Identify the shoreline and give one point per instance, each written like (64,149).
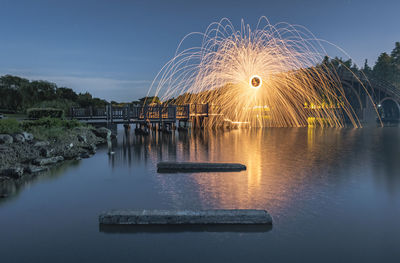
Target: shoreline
(22,155)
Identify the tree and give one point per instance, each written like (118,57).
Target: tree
(46,90)
(383,68)
(14,82)
(367,69)
(84,99)
(66,93)
(395,55)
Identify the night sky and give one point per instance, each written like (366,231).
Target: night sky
(114,49)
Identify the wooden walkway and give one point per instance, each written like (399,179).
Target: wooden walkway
(130,113)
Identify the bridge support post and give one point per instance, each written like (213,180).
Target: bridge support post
(127,128)
(111,113)
(91,112)
(107,114)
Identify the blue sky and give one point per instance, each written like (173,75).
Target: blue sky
(114,49)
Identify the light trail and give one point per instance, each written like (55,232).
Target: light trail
(269,76)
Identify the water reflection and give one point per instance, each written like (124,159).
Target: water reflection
(323,187)
(281,163)
(157,229)
(10,188)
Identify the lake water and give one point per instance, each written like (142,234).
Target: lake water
(334,195)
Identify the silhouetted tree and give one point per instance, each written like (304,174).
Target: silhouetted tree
(383,68)
(395,55)
(367,69)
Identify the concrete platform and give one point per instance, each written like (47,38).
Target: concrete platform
(175,167)
(186,217)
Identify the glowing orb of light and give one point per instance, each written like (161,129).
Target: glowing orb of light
(255,81)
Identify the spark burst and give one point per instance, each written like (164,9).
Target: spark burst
(269,76)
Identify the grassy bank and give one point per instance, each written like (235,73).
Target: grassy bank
(42,129)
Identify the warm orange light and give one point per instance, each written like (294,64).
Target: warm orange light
(255,81)
(221,71)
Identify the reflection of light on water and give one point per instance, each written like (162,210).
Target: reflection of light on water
(236,190)
(310,136)
(281,164)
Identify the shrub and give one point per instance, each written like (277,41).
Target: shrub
(37,113)
(62,104)
(50,128)
(9,126)
(47,133)
(51,122)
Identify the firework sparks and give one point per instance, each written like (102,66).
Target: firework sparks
(269,76)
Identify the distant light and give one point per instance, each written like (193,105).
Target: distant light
(255,81)
(379,105)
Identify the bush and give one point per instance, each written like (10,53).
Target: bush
(62,104)
(48,133)
(37,113)
(50,128)
(51,122)
(9,126)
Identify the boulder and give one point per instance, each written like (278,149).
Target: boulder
(85,155)
(103,133)
(47,161)
(41,143)
(35,169)
(19,137)
(13,172)
(28,136)
(82,138)
(5,149)
(91,148)
(44,152)
(69,146)
(5,138)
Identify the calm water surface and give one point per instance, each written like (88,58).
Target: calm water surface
(334,195)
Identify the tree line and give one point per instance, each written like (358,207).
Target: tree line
(386,68)
(19,94)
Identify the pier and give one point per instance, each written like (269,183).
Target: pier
(163,117)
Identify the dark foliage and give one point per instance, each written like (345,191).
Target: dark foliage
(18,94)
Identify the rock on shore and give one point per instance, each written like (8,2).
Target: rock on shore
(23,154)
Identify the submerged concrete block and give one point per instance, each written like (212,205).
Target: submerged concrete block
(185,217)
(198,167)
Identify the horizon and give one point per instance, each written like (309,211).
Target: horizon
(114,50)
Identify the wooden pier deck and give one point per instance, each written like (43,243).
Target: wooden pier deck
(146,114)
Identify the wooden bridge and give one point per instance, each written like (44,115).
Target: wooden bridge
(140,114)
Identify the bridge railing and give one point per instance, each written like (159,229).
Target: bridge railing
(130,112)
(198,110)
(89,112)
(182,111)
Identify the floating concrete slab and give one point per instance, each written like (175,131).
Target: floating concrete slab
(174,167)
(186,217)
